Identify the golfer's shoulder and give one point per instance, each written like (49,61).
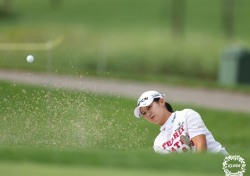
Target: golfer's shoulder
(188,114)
(186,111)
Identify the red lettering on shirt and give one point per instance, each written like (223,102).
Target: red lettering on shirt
(177,144)
(168,143)
(192,143)
(181,130)
(176,135)
(184,149)
(173,150)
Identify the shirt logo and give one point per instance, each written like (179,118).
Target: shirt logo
(180,125)
(172,121)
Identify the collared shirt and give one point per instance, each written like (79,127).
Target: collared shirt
(184,124)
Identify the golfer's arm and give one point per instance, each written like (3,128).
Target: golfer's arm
(200,143)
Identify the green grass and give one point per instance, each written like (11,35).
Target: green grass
(134,162)
(61,119)
(53,118)
(123,39)
(30,169)
(75,129)
(57,132)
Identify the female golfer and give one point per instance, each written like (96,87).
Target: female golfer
(180,131)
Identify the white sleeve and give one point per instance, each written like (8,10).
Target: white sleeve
(195,125)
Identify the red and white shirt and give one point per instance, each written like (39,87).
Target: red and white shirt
(186,123)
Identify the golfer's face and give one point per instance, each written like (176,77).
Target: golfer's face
(153,112)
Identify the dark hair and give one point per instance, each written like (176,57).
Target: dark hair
(168,106)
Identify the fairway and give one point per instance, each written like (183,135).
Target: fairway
(54,130)
(109,162)
(79,129)
(34,169)
(103,39)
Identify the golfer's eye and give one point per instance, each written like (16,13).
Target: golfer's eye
(143,113)
(148,107)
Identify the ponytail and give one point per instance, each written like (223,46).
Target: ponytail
(168,106)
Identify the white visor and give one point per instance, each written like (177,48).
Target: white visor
(146,99)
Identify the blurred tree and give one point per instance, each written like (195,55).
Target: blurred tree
(178,11)
(228,18)
(6,7)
